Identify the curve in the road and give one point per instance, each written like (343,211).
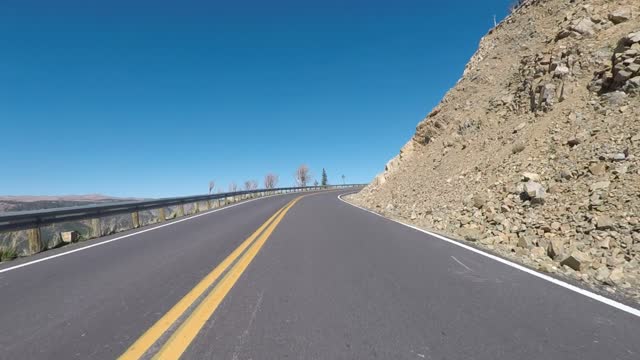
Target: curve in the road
(331,282)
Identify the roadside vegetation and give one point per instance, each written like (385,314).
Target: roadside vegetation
(8,254)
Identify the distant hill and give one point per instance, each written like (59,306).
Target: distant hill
(39,202)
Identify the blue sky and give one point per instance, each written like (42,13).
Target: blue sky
(155,98)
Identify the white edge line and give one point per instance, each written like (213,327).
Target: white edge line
(548,278)
(133,234)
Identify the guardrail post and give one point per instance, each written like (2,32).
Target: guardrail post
(196,207)
(95,227)
(180,210)
(135,219)
(35,241)
(161,215)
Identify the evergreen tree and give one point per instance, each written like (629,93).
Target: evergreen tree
(324,178)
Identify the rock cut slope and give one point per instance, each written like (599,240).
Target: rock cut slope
(535,153)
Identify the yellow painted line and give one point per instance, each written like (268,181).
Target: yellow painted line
(184,335)
(138,348)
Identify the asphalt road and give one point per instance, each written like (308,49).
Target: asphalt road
(319,280)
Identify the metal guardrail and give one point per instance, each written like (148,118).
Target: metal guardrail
(24,220)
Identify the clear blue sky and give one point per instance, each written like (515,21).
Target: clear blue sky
(155,98)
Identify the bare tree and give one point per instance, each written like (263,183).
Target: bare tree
(250,185)
(303,176)
(315,183)
(270,181)
(233,187)
(212,185)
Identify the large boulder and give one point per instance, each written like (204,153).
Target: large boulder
(555,248)
(616,276)
(620,15)
(583,26)
(632,38)
(532,191)
(578,260)
(604,222)
(470,234)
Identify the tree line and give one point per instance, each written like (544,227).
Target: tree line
(302,177)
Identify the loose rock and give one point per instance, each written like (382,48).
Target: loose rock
(470,234)
(577,260)
(620,15)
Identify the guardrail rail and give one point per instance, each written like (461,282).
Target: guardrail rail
(30,224)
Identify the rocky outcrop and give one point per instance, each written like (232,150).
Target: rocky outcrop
(622,73)
(534,154)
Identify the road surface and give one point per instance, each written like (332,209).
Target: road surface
(295,278)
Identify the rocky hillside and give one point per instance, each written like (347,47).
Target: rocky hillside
(535,153)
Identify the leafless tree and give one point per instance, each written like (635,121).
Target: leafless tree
(302,175)
(315,183)
(250,185)
(233,187)
(270,181)
(212,185)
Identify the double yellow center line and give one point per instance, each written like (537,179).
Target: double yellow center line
(230,269)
